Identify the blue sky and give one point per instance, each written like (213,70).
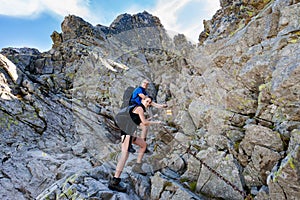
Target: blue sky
(29,23)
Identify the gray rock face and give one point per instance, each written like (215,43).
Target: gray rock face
(209,183)
(284,181)
(128,22)
(233,108)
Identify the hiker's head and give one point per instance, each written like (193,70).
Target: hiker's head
(147,101)
(145,83)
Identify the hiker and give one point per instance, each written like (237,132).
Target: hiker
(137,115)
(138,94)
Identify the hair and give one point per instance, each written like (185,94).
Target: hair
(149,98)
(145,80)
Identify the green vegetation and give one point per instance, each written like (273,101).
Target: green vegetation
(167,184)
(114,155)
(197,147)
(250,13)
(47,198)
(7,121)
(182,180)
(193,186)
(294,41)
(291,163)
(236,145)
(267,1)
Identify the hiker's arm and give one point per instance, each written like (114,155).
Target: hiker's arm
(157,105)
(144,121)
(142,95)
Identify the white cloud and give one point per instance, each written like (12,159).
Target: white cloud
(32,8)
(169,14)
(63,8)
(167,11)
(18,7)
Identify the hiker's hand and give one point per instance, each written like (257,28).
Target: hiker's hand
(162,123)
(164,106)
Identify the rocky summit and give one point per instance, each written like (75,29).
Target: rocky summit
(232,126)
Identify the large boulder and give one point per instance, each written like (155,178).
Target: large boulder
(210,184)
(283,182)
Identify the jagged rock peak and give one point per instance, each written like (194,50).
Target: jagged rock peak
(74,26)
(127,22)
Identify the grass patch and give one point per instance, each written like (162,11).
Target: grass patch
(193,186)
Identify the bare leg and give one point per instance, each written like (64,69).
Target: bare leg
(142,144)
(124,156)
(144,131)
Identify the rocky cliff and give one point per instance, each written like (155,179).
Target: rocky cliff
(234,128)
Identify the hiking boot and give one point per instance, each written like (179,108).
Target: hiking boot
(114,184)
(131,149)
(137,168)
